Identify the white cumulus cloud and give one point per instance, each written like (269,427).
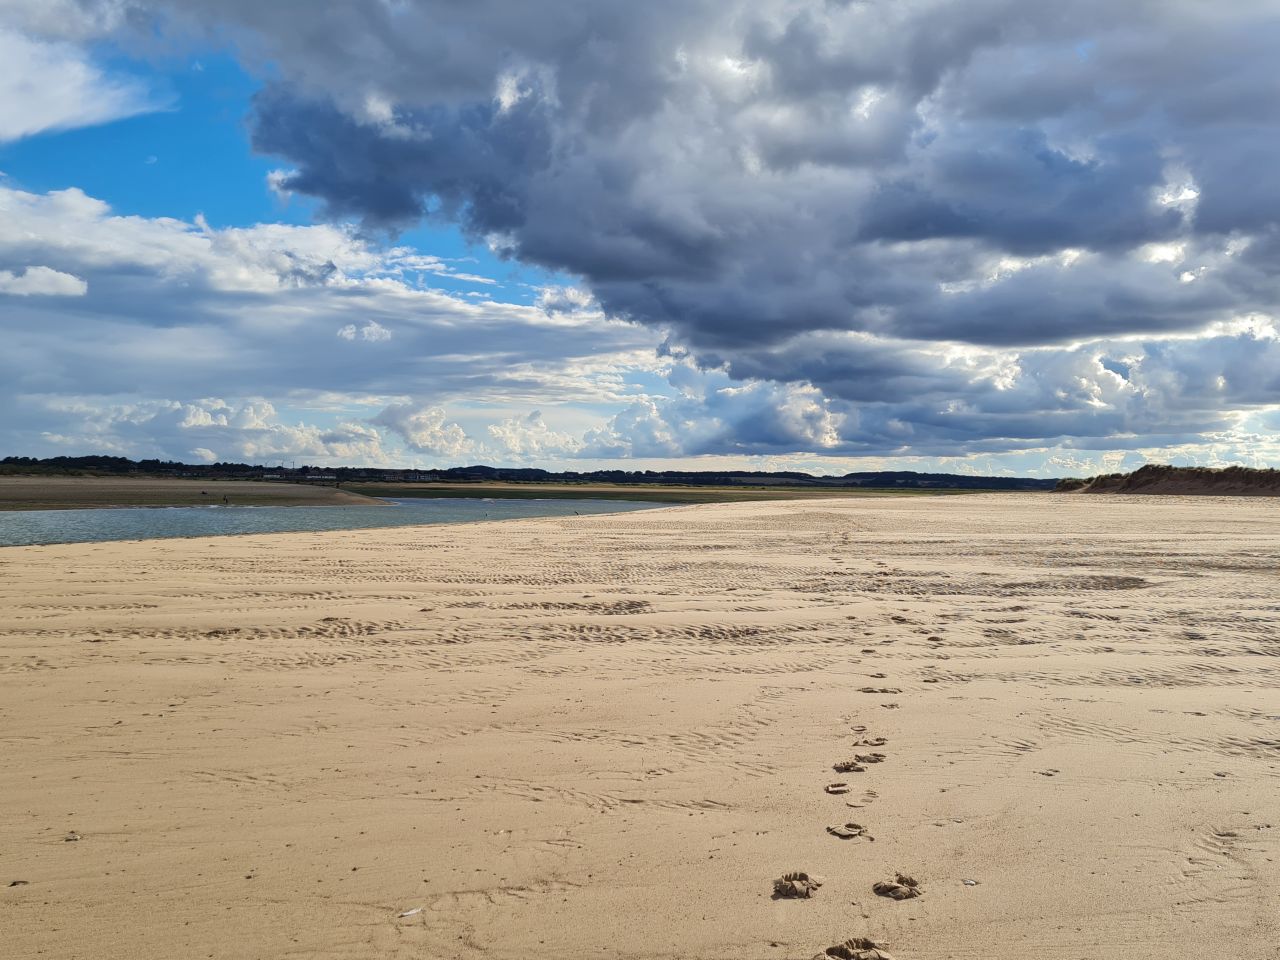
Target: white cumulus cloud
(41,282)
(370,332)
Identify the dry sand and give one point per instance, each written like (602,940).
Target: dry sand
(607,736)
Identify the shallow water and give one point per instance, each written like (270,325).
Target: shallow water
(22,528)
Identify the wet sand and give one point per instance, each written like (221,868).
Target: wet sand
(608,736)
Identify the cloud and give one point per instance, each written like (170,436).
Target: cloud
(41,282)
(208,429)
(742,173)
(425,430)
(170,312)
(180,308)
(371,332)
(530,439)
(882,226)
(74,20)
(53,85)
(992,233)
(720,418)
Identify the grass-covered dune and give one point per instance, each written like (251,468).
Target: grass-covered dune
(1182,481)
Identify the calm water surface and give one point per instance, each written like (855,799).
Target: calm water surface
(20,528)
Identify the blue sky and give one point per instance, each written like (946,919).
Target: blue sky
(148,165)
(769,235)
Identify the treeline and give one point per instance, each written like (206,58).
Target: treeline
(94,465)
(104,465)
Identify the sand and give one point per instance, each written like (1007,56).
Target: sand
(608,736)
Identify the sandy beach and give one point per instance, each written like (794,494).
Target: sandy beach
(607,736)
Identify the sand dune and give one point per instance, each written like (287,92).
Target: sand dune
(1165,480)
(612,736)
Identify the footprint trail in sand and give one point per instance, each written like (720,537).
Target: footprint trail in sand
(608,736)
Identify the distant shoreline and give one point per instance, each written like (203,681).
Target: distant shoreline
(653,493)
(20,493)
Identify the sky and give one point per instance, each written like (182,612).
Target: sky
(974,236)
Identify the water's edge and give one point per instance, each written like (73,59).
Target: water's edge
(111,524)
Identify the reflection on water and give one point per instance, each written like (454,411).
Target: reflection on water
(146,523)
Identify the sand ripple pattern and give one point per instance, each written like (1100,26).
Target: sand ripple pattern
(607,736)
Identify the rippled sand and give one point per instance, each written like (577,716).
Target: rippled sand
(608,736)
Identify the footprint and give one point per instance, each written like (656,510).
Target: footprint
(848,766)
(856,948)
(849,831)
(870,757)
(867,797)
(901,887)
(871,742)
(879,690)
(796,884)
(837,788)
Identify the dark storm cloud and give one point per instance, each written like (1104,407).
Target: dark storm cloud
(744,172)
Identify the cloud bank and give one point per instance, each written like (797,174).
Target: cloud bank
(836,228)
